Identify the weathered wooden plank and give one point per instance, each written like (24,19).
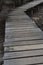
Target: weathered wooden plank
(19,48)
(24,39)
(24,61)
(22,54)
(22,43)
(21,35)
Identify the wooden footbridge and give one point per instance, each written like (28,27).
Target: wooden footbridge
(23,39)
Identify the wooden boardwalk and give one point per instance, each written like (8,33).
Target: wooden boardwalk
(23,39)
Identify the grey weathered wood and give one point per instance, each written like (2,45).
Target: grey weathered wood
(22,34)
(24,61)
(19,48)
(22,54)
(22,43)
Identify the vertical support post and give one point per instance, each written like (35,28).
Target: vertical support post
(32,13)
(2,35)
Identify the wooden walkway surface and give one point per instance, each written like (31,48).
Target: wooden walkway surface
(23,39)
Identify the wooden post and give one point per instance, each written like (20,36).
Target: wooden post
(2,33)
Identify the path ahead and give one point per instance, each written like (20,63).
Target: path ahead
(23,39)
